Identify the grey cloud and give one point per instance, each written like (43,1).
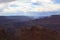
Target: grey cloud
(4,1)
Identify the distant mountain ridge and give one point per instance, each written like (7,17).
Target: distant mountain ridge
(51,22)
(8,21)
(21,18)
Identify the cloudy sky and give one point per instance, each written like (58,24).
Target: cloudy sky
(29,7)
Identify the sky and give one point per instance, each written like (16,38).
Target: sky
(29,7)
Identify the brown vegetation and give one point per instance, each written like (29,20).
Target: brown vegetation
(37,33)
(30,33)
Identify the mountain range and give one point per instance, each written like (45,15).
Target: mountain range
(51,22)
(29,28)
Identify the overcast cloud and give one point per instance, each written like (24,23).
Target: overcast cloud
(4,1)
(26,6)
